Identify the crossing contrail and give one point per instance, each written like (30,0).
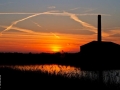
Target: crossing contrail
(50,32)
(20,29)
(55,35)
(16,13)
(37,24)
(14,23)
(86,25)
(71,15)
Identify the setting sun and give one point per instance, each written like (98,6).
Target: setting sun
(52,29)
(56,48)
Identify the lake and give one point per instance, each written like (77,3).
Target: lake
(111,76)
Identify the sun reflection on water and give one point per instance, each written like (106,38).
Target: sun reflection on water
(54,69)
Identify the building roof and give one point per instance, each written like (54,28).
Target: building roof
(103,43)
(102,47)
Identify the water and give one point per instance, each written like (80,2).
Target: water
(54,69)
(112,76)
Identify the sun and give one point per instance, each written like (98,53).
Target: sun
(56,48)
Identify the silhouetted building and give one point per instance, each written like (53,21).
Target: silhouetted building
(99,28)
(100,52)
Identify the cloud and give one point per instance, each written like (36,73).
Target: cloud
(90,9)
(114,32)
(20,29)
(77,31)
(74,17)
(62,14)
(55,35)
(75,8)
(14,23)
(84,24)
(30,31)
(18,13)
(85,32)
(71,15)
(86,10)
(50,32)
(51,7)
(115,35)
(37,24)
(92,14)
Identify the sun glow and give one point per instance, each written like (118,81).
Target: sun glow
(56,48)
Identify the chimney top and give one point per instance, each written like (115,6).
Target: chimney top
(99,28)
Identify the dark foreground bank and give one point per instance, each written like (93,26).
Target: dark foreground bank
(84,61)
(15,79)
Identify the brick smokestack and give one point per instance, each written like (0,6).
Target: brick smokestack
(99,28)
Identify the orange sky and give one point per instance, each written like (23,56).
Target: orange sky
(43,42)
(56,25)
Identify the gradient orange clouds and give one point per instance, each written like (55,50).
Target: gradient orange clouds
(41,42)
(50,35)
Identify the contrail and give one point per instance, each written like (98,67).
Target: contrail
(90,9)
(28,31)
(74,17)
(51,7)
(20,29)
(33,32)
(71,15)
(37,24)
(92,14)
(28,13)
(114,31)
(75,8)
(86,25)
(91,28)
(55,35)
(14,23)
(18,13)
(50,32)
(84,14)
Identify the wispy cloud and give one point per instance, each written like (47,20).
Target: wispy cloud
(85,10)
(75,8)
(84,24)
(58,13)
(114,32)
(18,13)
(51,7)
(37,24)
(14,23)
(55,35)
(45,29)
(71,15)
(90,9)
(30,31)
(92,14)
(115,35)
(20,29)
(74,17)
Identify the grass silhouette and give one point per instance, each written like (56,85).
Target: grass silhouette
(16,79)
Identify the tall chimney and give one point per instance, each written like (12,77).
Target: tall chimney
(99,28)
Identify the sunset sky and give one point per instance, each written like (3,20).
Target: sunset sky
(56,25)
